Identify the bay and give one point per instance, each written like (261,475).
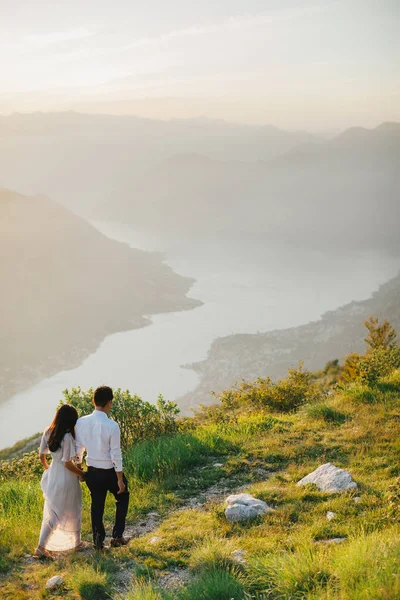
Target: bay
(245,287)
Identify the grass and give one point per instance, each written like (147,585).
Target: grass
(285,552)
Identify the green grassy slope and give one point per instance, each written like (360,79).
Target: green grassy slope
(188,548)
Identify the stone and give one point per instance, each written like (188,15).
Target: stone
(154,540)
(329,478)
(243,507)
(330,515)
(218,465)
(54,582)
(357,499)
(238,556)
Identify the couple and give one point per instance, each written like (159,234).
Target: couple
(66,439)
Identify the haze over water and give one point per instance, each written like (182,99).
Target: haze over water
(245,288)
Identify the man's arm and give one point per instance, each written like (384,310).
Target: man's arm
(116,456)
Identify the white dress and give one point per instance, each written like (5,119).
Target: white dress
(61,526)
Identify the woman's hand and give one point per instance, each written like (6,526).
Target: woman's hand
(44,462)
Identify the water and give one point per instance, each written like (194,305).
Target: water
(245,288)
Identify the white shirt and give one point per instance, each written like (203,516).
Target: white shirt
(100,436)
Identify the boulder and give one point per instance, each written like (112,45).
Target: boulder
(54,582)
(329,478)
(243,507)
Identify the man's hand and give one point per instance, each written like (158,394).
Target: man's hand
(121,484)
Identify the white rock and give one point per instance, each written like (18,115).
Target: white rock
(243,507)
(218,465)
(246,499)
(357,499)
(329,478)
(54,582)
(238,556)
(330,515)
(154,540)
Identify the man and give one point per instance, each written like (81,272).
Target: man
(100,436)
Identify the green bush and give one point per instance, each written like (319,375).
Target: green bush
(378,363)
(27,467)
(358,392)
(137,419)
(285,395)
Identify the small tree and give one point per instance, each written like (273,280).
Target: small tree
(380,335)
(351,368)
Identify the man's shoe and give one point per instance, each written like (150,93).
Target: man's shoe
(98,544)
(119,541)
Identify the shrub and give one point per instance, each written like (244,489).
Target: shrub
(380,335)
(351,368)
(286,395)
(27,467)
(379,363)
(137,419)
(358,392)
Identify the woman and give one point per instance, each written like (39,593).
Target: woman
(61,525)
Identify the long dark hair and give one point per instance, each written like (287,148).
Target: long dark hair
(63,422)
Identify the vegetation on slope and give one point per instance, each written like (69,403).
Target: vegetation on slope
(265,444)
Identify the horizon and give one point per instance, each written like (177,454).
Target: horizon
(326,132)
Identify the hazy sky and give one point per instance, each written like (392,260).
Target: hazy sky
(315,64)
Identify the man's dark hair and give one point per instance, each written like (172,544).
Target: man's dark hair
(102,395)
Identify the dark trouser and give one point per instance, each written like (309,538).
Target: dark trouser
(99,482)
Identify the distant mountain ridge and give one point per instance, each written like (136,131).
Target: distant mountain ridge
(248,356)
(65,286)
(87,162)
(344,191)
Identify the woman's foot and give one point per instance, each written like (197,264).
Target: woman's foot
(42,553)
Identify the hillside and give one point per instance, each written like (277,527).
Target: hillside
(88,161)
(336,334)
(66,286)
(311,544)
(344,191)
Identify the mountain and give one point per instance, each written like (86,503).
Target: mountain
(336,334)
(66,286)
(86,161)
(341,193)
